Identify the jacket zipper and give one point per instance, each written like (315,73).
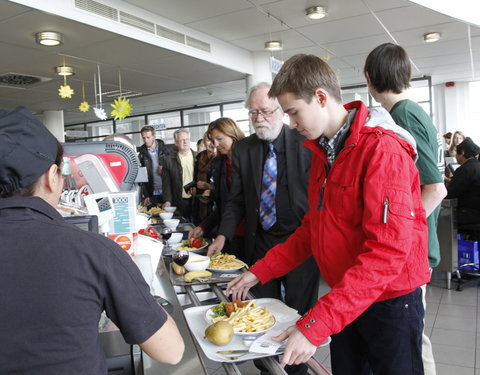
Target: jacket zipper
(385,211)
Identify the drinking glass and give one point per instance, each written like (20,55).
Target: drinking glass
(180,257)
(166,234)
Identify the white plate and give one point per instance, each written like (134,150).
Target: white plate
(209,320)
(192,249)
(223,270)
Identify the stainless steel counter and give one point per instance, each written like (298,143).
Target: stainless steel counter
(115,347)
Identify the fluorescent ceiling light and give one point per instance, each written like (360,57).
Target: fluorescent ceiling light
(316,13)
(274,45)
(464,10)
(64,70)
(49,38)
(431,37)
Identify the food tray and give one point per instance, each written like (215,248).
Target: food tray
(217,278)
(195,316)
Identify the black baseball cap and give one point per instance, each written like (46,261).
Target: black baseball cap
(27,149)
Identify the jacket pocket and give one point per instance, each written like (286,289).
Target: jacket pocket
(398,214)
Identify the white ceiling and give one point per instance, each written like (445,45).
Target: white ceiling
(169,79)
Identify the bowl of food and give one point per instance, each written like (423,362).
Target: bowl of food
(171,223)
(175,238)
(166,215)
(170,209)
(197,263)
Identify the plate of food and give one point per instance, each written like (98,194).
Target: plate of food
(225,263)
(194,244)
(247,317)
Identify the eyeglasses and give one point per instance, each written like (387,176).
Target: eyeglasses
(264,113)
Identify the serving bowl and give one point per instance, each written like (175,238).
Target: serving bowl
(176,237)
(166,215)
(170,209)
(171,223)
(197,263)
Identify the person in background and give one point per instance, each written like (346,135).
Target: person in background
(178,172)
(152,155)
(202,205)
(366,228)
(458,137)
(201,145)
(447,139)
(465,183)
(251,196)
(388,73)
(223,133)
(58,279)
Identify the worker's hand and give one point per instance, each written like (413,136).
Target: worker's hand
(203,185)
(146,202)
(196,232)
(240,286)
(298,350)
(166,204)
(217,245)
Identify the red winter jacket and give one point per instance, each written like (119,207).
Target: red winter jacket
(362,258)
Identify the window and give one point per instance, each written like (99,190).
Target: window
(200,116)
(99,129)
(166,120)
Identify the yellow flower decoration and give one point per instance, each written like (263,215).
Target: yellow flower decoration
(121,108)
(65,92)
(84,106)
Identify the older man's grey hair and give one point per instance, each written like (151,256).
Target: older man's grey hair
(255,88)
(180,131)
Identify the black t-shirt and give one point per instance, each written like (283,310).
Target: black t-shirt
(56,280)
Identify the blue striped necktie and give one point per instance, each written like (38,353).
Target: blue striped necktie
(268,213)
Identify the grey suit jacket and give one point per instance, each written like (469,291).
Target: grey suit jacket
(244,197)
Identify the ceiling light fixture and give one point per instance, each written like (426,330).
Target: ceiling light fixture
(431,37)
(274,45)
(316,13)
(64,70)
(49,38)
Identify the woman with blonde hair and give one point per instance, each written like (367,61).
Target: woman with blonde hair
(223,133)
(457,138)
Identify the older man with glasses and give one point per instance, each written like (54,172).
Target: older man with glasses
(270,178)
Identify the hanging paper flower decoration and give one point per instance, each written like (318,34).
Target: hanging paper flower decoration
(65,91)
(100,113)
(84,107)
(121,108)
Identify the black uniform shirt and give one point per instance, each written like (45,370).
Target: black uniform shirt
(56,281)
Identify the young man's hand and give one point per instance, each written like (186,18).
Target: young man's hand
(240,286)
(298,350)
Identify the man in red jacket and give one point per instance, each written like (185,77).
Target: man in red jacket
(366,229)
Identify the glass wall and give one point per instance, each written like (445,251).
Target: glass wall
(197,118)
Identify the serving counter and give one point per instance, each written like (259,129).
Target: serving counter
(178,297)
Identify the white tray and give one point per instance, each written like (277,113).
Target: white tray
(195,316)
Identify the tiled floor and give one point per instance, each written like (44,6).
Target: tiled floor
(452,319)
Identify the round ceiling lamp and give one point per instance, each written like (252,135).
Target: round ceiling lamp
(64,70)
(49,38)
(274,45)
(431,37)
(316,12)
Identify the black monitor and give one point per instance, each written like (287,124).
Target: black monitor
(86,222)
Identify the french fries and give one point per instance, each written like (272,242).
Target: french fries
(250,318)
(226,262)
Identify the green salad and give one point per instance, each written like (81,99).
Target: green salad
(218,310)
